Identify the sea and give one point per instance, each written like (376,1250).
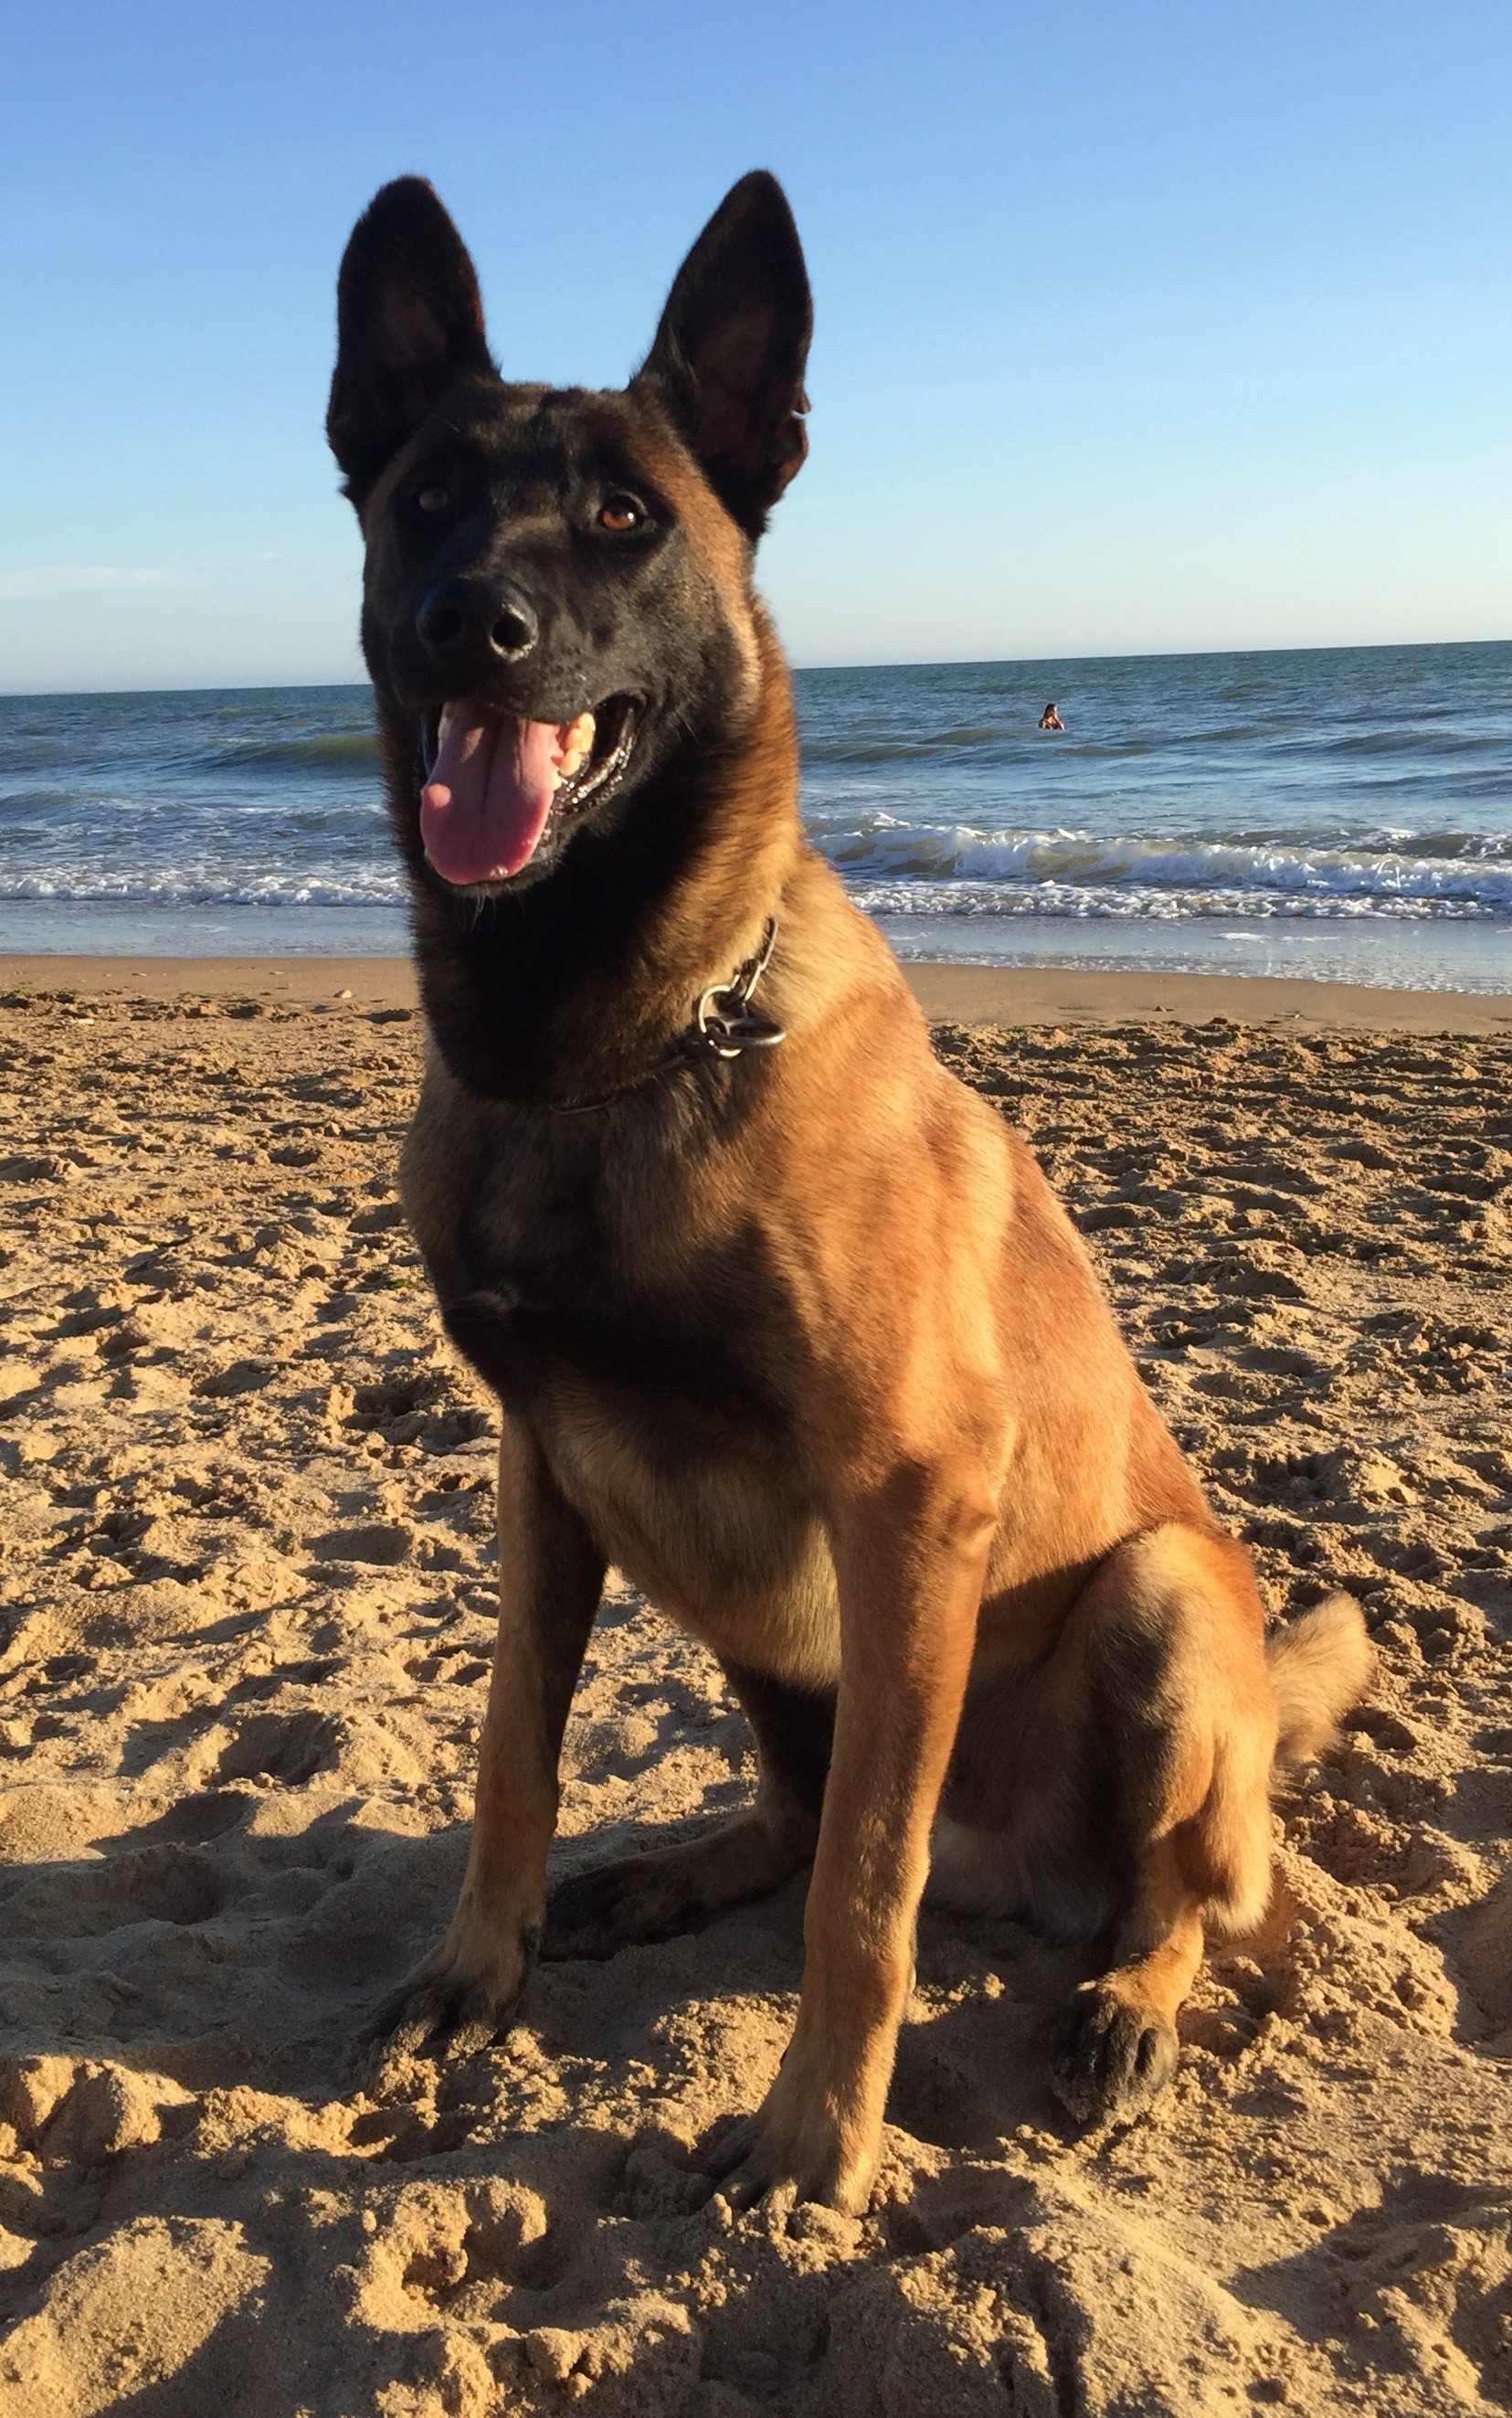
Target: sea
(1339,813)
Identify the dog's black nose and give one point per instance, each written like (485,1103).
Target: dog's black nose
(460,616)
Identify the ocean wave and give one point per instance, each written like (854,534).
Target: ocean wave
(1068,900)
(1276,741)
(1000,742)
(941,853)
(865,747)
(374,885)
(900,895)
(190,767)
(1411,741)
(336,751)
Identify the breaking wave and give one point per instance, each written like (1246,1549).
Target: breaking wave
(895,868)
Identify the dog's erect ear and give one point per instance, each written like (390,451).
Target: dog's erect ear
(409,322)
(729,354)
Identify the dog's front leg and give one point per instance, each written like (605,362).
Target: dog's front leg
(551,1576)
(910,1562)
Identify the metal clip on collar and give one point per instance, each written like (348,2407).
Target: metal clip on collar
(721,1031)
(717,1031)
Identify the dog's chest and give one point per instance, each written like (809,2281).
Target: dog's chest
(642,1361)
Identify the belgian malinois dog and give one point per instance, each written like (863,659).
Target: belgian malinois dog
(786,1323)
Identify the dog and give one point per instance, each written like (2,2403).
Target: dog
(784,1322)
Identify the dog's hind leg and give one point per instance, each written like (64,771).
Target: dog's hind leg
(671,1889)
(551,1576)
(1181,1730)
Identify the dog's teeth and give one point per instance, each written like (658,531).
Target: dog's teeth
(577,745)
(447,717)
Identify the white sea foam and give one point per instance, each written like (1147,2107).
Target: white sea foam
(938,870)
(97,885)
(954,868)
(1079,903)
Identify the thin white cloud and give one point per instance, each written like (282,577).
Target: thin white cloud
(77,579)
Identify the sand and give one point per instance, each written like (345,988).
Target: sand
(968,994)
(244,1631)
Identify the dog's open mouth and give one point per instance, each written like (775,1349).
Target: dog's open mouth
(497,785)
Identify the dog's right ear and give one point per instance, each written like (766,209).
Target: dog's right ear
(731,349)
(409,323)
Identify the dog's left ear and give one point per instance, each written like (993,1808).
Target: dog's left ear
(730,352)
(409,323)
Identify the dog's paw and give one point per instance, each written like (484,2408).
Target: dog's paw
(757,2162)
(596,1913)
(454,2003)
(1112,2056)
(799,2147)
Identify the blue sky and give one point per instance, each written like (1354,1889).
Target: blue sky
(1139,327)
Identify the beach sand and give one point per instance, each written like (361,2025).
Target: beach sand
(245,1622)
(968,994)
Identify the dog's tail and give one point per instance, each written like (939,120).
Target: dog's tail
(1320,1666)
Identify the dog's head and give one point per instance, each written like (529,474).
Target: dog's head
(557,589)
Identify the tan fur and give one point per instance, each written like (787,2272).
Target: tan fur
(808,1348)
(979,1511)
(1320,1666)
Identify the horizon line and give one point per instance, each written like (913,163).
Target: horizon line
(875,662)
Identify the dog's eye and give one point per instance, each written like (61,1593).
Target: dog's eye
(620,513)
(433,499)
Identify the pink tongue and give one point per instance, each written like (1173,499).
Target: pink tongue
(484,807)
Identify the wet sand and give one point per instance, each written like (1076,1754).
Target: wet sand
(1005,995)
(245,1619)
